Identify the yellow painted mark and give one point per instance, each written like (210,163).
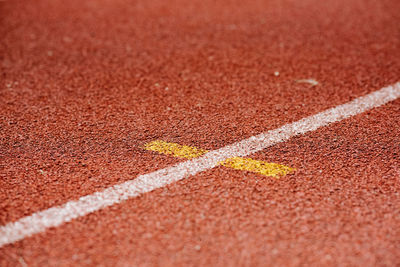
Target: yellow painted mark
(175,150)
(238,163)
(257,166)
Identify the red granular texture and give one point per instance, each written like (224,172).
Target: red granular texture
(85,84)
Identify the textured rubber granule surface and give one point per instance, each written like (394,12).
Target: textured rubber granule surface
(86,84)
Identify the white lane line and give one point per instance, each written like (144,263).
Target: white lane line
(38,222)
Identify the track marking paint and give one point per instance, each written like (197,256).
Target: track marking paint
(238,163)
(257,166)
(175,149)
(40,221)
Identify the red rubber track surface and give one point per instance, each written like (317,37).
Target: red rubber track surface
(85,84)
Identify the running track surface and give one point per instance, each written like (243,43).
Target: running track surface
(85,85)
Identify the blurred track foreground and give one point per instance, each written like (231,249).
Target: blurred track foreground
(200,133)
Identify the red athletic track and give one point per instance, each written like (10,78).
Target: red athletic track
(85,84)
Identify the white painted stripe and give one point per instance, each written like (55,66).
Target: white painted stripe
(52,217)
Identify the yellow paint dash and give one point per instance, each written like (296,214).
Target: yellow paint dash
(257,166)
(238,163)
(175,150)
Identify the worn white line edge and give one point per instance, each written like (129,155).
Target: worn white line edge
(38,222)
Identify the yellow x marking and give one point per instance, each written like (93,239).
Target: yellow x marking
(238,163)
